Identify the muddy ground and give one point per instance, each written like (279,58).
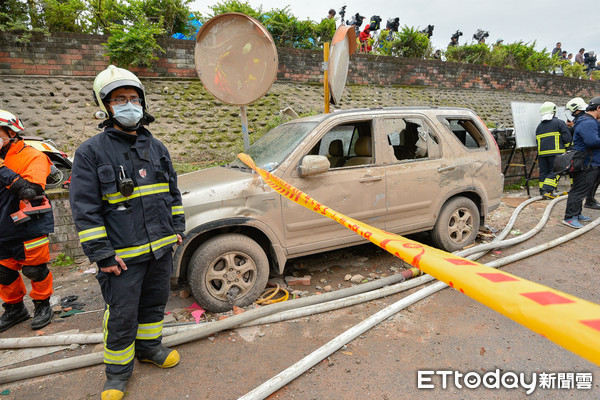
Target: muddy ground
(447,331)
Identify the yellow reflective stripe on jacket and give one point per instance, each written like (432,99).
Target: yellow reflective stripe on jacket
(90,234)
(120,357)
(139,191)
(176,210)
(556,149)
(149,331)
(32,244)
(135,251)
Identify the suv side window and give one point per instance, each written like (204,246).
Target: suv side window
(338,145)
(466,132)
(411,139)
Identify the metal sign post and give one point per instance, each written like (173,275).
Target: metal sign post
(325,75)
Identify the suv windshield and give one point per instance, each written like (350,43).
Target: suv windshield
(271,149)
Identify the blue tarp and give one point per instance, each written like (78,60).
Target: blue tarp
(195,24)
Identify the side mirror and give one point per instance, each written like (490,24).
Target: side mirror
(313,165)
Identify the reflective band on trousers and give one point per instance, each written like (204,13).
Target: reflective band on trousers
(36,243)
(149,331)
(176,210)
(135,251)
(90,234)
(139,191)
(120,357)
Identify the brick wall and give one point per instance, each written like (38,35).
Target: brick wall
(65,238)
(83,55)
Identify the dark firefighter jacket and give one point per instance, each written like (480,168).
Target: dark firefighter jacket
(553,136)
(34,166)
(136,228)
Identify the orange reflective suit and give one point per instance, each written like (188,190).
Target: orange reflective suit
(24,246)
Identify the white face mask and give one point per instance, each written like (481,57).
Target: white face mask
(128,115)
(4,142)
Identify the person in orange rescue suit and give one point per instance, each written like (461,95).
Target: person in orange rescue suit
(128,213)
(553,137)
(24,245)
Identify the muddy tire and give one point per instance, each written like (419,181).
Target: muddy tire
(457,225)
(228,267)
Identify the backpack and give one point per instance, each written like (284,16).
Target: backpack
(571,161)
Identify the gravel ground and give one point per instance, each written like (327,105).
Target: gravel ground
(446,331)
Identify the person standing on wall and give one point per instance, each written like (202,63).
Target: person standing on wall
(553,137)
(24,243)
(128,213)
(586,139)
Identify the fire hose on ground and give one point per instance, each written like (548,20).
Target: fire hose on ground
(11,343)
(248,318)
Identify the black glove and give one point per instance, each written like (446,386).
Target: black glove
(25,190)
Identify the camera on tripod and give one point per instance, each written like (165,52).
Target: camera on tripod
(393,24)
(454,38)
(375,23)
(456,35)
(356,20)
(428,31)
(480,35)
(342,13)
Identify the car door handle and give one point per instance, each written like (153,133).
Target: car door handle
(446,169)
(370,178)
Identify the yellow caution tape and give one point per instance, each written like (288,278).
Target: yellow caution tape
(566,320)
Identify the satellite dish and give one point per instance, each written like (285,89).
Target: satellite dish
(343,45)
(235,58)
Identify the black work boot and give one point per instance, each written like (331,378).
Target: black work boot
(114,387)
(14,314)
(162,356)
(42,314)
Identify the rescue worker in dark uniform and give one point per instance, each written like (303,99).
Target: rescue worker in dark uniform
(586,139)
(24,243)
(553,137)
(128,212)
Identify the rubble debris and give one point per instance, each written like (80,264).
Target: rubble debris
(298,281)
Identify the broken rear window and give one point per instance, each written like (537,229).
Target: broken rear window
(466,132)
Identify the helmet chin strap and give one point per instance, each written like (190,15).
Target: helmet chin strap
(126,128)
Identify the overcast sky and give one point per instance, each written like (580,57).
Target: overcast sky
(545,22)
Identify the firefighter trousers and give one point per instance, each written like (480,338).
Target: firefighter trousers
(548,180)
(29,257)
(133,317)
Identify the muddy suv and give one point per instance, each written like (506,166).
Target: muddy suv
(403,170)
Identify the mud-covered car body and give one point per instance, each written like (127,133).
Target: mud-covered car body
(404,170)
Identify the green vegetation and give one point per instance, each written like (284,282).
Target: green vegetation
(516,55)
(63,260)
(408,42)
(134,26)
(533,183)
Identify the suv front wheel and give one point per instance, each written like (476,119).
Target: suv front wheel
(228,270)
(457,225)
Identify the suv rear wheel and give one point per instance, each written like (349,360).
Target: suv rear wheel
(228,270)
(457,225)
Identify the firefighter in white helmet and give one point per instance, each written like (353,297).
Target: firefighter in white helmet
(128,213)
(553,137)
(574,109)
